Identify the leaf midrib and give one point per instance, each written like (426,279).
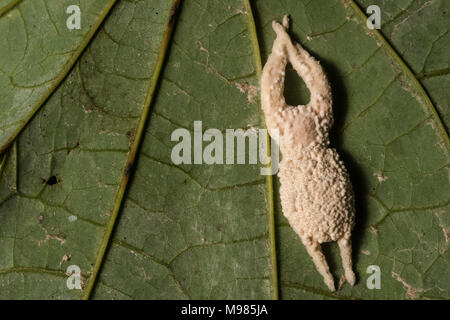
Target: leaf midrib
(269,178)
(9,7)
(134,147)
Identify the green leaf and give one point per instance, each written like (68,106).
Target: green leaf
(199,231)
(63,182)
(396,151)
(426,23)
(37,50)
(90,181)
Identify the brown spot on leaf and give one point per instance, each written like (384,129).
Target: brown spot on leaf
(373,230)
(410,290)
(380,177)
(65,258)
(447,235)
(252,91)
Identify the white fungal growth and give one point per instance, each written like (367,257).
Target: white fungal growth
(316,193)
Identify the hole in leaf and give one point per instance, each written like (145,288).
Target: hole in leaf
(295,90)
(52,180)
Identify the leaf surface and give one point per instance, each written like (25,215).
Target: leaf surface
(62,182)
(198,231)
(406,24)
(206,231)
(37,51)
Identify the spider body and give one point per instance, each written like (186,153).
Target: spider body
(316,193)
